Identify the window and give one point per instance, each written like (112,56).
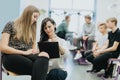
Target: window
(77,9)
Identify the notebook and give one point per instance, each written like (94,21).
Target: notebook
(52,48)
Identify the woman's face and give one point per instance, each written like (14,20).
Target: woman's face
(34,17)
(49,29)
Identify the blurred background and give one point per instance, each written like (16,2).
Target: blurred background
(99,10)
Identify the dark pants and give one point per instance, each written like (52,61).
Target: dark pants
(33,65)
(85,44)
(69,37)
(101,62)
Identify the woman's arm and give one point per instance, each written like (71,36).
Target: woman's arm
(63,47)
(62,50)
(34,47)
(9,50)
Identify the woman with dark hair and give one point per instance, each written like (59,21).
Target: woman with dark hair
(56,65)
(48,34)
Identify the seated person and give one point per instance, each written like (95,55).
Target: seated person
(100,39)
(48,28)
(17,45)
(88,34)
(100,57)
(62,29)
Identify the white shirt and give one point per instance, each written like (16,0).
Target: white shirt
(59,62)
(101,39)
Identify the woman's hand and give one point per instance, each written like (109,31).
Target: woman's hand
(31,51)
(62,50)
(28,52)
(35,51)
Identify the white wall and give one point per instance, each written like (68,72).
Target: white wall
(15,8)
(107,9)
(9,10)
(40,4)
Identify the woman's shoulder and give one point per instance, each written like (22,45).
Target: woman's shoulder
(60,39)
(9,23)
(8,27)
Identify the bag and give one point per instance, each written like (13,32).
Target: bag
(57,74)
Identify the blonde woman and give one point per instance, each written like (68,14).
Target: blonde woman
(18,46)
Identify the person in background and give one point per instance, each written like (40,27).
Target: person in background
(100,40)
(48,28)
(85,41)
(62,29)
(18,47)
(110,50)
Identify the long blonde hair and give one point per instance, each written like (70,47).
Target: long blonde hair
(24,30)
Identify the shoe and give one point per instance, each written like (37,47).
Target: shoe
(93,71)
(96,71)
(89,71)
(105,77)
(83,61)
(72,47)
(100,75)
(108,74)
(77,56)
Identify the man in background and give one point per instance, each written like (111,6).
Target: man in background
(84,42)
(62,29)
(88,34)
